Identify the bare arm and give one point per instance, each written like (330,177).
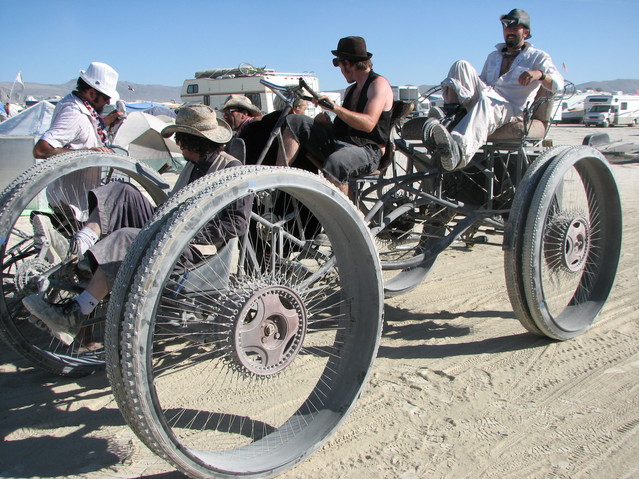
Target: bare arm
(380,98)
(43,149)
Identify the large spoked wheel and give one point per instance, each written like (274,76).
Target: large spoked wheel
(27,262)
(572,243)
(242,358)
(514,235)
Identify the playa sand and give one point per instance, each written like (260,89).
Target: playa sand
(459,388)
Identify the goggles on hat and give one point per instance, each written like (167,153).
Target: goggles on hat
(510,22)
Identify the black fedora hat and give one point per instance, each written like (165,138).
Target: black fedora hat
(352,48)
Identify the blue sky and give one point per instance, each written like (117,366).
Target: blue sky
(413,41)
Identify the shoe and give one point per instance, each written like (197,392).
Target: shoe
(436,113)
(446,148)
(63,319)
(48,239)
(427,133)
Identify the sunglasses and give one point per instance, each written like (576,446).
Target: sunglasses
(337,62)
(107,99)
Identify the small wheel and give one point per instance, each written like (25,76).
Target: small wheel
(572,243)
(243,359)
(24,264)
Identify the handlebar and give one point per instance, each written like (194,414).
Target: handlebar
(298,92)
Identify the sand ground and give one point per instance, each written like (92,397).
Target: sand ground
(459,388)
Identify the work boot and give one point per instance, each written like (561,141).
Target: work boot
(427,133)
(63,319)
(446,148)
(50,241)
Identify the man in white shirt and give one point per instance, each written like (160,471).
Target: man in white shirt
(77,124)
(509,81)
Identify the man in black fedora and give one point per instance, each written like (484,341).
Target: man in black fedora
(354,143)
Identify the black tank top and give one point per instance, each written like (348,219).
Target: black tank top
(381,132)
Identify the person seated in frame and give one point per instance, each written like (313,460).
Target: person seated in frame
(509,81)
(239,112)
(119,210)
(77,124)
(354,143)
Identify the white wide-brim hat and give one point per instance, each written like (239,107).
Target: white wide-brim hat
(200,120)
(103,78)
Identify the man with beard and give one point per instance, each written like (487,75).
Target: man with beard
(509,82)
(77,124)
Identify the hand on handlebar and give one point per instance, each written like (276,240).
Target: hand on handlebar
(325,102)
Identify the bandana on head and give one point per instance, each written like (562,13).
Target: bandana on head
(101,124)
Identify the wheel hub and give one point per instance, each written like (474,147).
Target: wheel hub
(572,239)
(269,330)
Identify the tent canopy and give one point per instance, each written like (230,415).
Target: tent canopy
(140,134)
(33,121)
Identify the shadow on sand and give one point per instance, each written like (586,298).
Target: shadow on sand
(34,401)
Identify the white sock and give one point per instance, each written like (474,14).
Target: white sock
(85,238)
(87,302)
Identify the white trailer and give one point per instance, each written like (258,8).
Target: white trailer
(573,107)
(611,109)
(213,87)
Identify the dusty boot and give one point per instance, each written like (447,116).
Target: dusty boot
(52,244)
(63,319)
(446,148)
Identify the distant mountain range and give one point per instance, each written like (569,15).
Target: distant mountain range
(131,92)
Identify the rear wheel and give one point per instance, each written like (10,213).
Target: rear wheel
(514,236)
(572,243)
(243,359)
(25,265)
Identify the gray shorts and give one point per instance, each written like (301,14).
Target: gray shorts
(123,211)
(341,161)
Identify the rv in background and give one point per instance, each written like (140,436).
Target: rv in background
(410,93)
(610,109)
(573,107)
(213,87)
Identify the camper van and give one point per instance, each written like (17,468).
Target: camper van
(611,109)
(213,87)
(573,107)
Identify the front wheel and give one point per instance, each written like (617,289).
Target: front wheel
(242,358)
(572,243)
(64,179)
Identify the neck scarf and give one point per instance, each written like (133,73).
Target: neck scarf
(101,124)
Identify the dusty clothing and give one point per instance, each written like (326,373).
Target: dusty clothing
(491,99)
(73,127)
(123,211)
(345,152)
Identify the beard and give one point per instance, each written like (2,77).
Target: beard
(511,41)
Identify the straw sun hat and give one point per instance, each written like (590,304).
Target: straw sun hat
(200,120)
